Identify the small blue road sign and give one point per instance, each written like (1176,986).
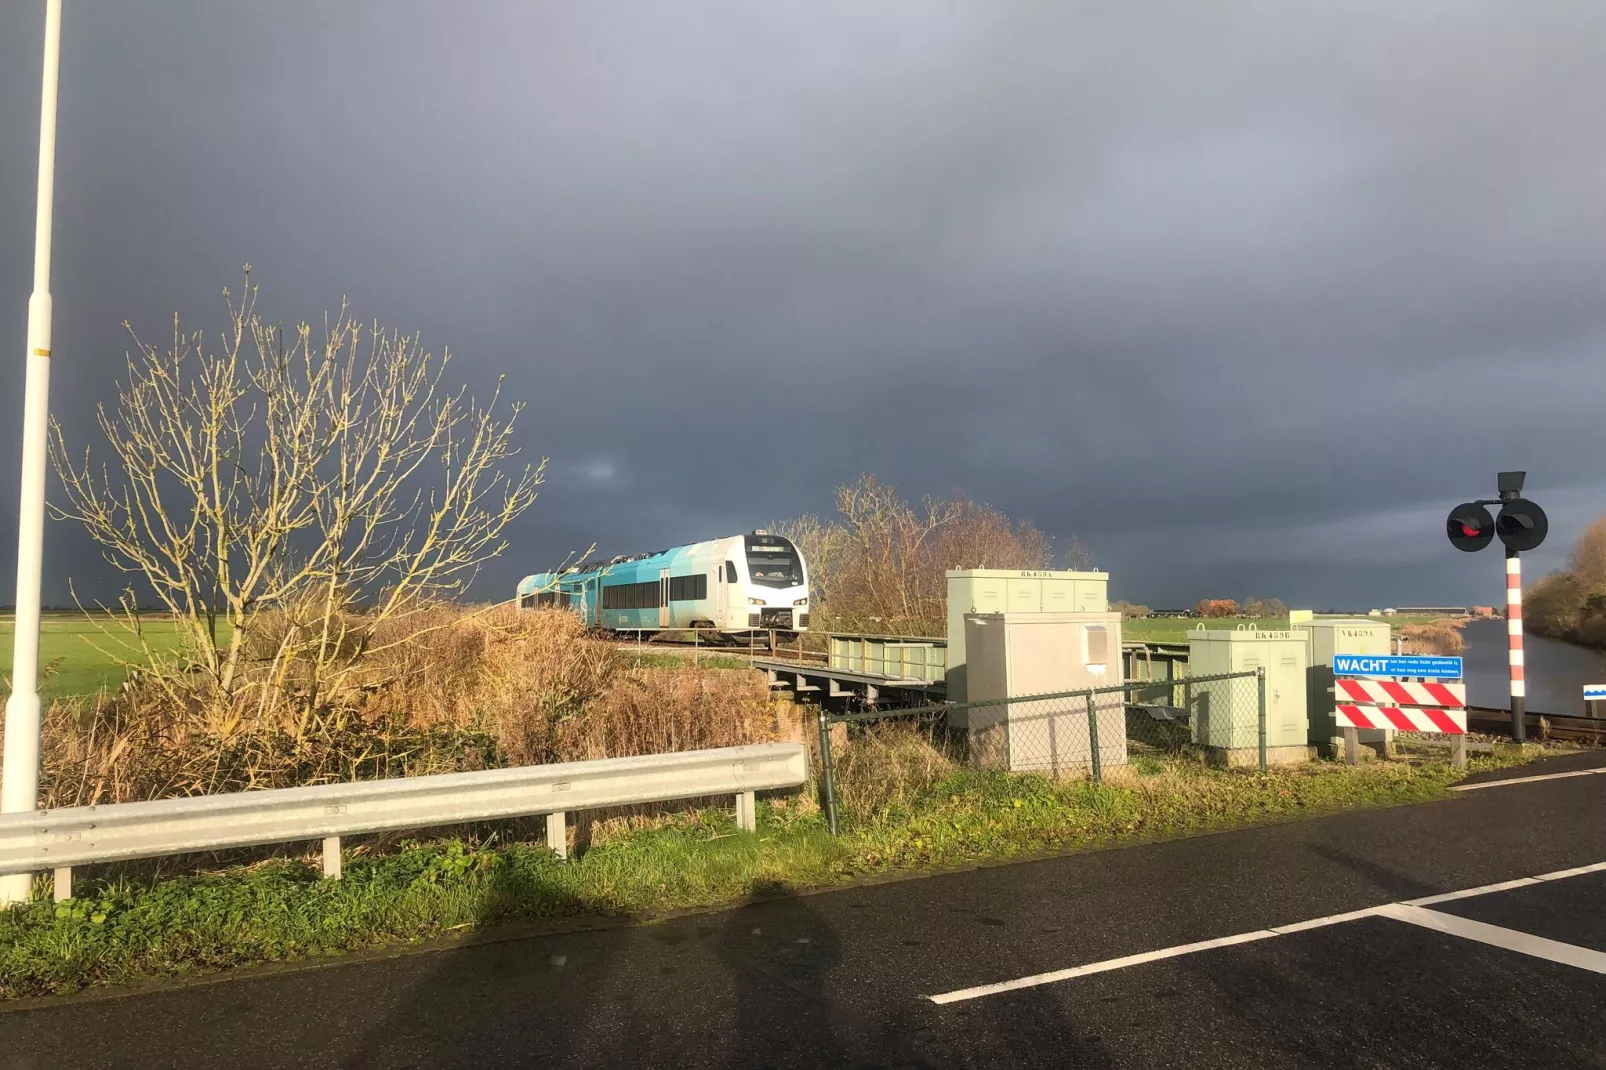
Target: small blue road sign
(1431,668)
(1595,692)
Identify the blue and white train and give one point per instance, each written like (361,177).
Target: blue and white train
(738,586)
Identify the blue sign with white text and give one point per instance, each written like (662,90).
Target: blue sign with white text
(1433,668)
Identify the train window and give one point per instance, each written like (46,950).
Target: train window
(730,572)
(630,595)
(688,588)
(773,565)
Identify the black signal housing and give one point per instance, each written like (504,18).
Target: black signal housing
(1521,525)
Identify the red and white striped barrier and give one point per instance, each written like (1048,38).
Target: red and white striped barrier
(1398,693)
(1451,721)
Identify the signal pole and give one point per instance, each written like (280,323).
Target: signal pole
(1519,686)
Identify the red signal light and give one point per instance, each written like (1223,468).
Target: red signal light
(1470,527)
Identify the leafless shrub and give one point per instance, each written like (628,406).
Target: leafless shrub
(298,476)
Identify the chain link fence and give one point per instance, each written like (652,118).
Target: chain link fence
(1084,733)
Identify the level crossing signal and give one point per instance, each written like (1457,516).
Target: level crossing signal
(1520,526)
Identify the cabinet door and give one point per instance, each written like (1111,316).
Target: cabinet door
(1059,596)
(1025,595)
(988,596)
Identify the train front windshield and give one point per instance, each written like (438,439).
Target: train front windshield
(773,562)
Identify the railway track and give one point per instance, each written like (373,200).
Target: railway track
(741,650)
(1497,722)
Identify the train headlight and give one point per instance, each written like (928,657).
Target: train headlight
(757,602)
(800,602)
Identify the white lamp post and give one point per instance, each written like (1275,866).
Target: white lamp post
(19,782)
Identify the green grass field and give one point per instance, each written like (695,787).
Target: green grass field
(68,651)
(1176,629)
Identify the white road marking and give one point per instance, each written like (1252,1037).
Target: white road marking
(1563,874)
(1498,936)
(1318,923)
(1099,967)
(1408,911)
(1468,893)
(1524,780)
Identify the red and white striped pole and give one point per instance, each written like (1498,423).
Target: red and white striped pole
(1519,687)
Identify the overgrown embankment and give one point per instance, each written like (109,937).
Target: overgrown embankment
(484,689)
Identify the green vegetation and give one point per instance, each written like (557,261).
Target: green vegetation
(130,926)
(1175,629)
(80,655)
(663,659)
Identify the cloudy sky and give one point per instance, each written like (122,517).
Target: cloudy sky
(1243,295)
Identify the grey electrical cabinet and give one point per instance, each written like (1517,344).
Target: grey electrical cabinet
(1024,654)
(1226,713)
(999,590)
(1323,639)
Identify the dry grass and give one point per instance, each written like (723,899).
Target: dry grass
(890,763)
(482,689)
(1440,637)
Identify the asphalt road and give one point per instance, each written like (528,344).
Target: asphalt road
(842,978)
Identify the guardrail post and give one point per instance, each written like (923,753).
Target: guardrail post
(63,883)
(331,857)
(827,773)
(1093,739)
(1260,685)
(1352,745)
(747,811)
(1458,750)
(557,834)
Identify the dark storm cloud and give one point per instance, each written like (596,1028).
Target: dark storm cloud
(1245,295)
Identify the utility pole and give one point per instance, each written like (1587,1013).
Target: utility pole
(19,780)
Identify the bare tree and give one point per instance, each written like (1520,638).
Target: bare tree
(332,480)
(1078,557)
(1264,608)
(881,563)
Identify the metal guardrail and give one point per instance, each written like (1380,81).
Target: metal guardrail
(76,836)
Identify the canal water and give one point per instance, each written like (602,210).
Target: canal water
(1556,671)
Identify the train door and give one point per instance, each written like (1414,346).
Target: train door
(663,598)
(721,596)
